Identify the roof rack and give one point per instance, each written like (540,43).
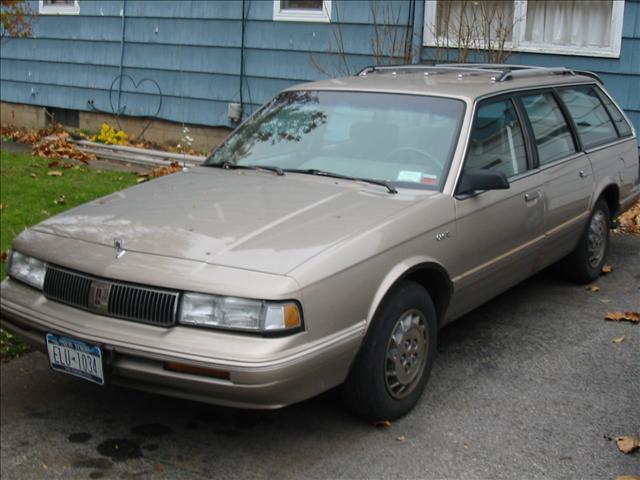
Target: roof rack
(503,72)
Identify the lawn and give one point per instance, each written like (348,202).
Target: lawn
(29,194)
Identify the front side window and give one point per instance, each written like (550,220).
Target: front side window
(496,141)
(58,7)
(592,121)
(552,135)
(407,140)
(302,10)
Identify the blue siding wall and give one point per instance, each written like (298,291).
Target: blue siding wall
(191,50)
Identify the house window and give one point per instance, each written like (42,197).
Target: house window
(302,10)
(58,7)
(570,27)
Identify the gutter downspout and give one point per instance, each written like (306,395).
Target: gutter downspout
(121,58)
(417,31)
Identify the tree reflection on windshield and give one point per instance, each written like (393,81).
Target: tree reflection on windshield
(285,119)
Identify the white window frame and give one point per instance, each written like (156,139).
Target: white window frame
(302,15)
(59,9)
(519,44)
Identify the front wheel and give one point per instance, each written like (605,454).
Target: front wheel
(585,263)
(392,368)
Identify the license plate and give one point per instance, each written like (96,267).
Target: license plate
(75,357)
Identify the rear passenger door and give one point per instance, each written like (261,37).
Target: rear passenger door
(600,132)
(564,171)
(502,231)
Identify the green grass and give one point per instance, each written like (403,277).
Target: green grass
(28,195)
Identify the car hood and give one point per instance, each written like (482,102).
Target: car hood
(244,219)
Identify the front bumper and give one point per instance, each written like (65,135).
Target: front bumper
(263,372)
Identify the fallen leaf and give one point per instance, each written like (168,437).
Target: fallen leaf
(628,444)
(1,206)
(54,173)
(627,477)
(60,200)
(618,339)
(53,164)
(401,438)
(465,445)
(33,175)
(593,288)
(142,179)
(607,269)
(633,317)
(3,256)
(382,424)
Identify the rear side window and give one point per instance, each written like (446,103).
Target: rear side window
(550,129)
(592,120)
(621,124)
(496,141)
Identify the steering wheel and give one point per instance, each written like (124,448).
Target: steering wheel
(434,163)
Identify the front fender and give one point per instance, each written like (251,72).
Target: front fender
(399,272)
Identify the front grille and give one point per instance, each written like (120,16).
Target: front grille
(126,301)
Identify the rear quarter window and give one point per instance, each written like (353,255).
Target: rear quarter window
(624,129)
(592,121)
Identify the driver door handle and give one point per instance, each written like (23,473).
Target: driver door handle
(531,196)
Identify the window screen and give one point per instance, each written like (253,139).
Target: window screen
(623,127)
(496,140)
(550,129)
(592,121)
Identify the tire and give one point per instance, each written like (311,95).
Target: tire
(585,263)
(378,388)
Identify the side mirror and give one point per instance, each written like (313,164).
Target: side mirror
(476,179)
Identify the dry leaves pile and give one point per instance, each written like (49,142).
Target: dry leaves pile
(160,172)
(27,136)
(630,220)
(59,146)
(633,317)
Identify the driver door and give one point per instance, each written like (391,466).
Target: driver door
(500,232)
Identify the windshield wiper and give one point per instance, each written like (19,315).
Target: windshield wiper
(322,173)
(232,166)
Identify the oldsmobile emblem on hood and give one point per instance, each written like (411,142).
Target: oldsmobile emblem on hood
(119,246)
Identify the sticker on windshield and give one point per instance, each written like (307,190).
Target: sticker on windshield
(409,176)
(428,179)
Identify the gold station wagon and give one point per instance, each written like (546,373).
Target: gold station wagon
(327,240)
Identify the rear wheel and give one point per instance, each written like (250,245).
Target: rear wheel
(585,263)
(392,368)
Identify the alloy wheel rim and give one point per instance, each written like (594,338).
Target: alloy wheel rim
(597,239)
(406,354)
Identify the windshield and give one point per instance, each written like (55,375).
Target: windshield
(406,140)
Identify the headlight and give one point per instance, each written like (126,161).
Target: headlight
(27,269)
(239,314)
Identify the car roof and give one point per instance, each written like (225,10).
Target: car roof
(464,81)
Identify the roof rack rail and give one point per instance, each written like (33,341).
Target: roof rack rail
(505,72)
(415,67)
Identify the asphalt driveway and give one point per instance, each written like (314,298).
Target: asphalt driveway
(528,386)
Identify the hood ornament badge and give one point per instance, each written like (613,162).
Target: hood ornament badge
(119,246)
